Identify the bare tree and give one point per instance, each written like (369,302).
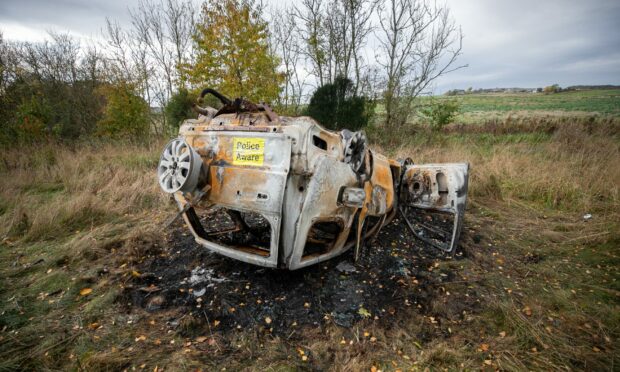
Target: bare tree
(91,64)
(9,62)
(130,61)
(420,43)
(118,64)
(143,65)
(336,28)
(286,43)
(180,20)
(150,27)
(164,28)
(359,18)
(152,52)
(334,33)
(310,20)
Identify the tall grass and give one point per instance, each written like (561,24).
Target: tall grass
(52,191)
(553,163)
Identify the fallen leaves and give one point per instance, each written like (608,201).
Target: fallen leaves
(484,347)
(150,289)
(302,354)
(140,338)
(527,311)
(85,291)
(363,312)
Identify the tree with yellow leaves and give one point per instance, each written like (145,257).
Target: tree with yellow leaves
(233,54)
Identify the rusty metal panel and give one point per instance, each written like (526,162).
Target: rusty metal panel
(257,187)
(383,185)
(319,202)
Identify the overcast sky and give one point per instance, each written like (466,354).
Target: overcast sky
(508,43)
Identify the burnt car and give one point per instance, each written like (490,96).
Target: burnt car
(285,192)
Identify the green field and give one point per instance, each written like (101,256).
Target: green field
(481,108)
(599,101)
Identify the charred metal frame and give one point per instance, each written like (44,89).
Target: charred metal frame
(317,190)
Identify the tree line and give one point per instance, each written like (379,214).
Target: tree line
(140,79)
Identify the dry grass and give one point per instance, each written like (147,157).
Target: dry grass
(69,215)
(547,281)
(554,163)
(54,190)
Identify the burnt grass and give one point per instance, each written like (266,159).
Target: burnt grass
(397,277)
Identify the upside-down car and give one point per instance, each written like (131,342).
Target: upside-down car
(284,192)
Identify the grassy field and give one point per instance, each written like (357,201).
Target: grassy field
(603,102)
(480,108)
(76,223)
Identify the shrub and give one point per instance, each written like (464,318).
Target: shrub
(32,116)
(440,113)
(555,88)
(126,114)
(179,108)
(337,107)
(33,109)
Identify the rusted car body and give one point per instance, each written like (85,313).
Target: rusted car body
(284,192)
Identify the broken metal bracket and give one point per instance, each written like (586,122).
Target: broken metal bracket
(188,205)
(422,238)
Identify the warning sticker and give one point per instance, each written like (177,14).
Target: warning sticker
(248,151)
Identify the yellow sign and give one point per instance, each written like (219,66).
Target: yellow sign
(248,151)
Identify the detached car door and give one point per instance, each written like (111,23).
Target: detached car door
(432,202)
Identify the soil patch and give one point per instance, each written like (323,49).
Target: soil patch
(396,276)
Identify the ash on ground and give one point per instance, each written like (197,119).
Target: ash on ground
(395,276)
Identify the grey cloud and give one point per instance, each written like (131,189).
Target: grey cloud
(533,43)
(525,43)
(85,18)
